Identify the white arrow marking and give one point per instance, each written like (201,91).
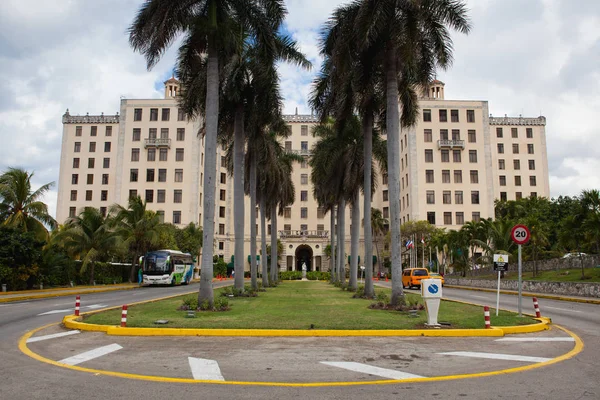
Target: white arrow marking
(96,306)
(55,335)
(534,339)
(90,355)
(496,356)
(203,369)
(57,311)
(371,370)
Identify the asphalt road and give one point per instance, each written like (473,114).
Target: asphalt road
(26,378)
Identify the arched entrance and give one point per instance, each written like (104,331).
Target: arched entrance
(304,254)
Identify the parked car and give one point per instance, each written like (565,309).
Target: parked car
(435,275)
(412,277)
(569,255)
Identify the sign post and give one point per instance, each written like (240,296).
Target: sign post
(520,235)
(500,264)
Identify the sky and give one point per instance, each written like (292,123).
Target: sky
(525,57)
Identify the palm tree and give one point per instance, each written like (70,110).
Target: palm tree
(379,225)
(89,237)
(211,30)
(591,203)
(22,208)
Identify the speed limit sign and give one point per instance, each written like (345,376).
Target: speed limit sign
(520,234)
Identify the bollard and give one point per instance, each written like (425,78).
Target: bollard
(4,287)
(486,314)
(538,314)
(77,303)
(124,316)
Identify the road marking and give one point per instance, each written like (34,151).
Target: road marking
(56,312)
(479,297)
(204,369)
(90,355)
(96,306)
(371,370)
(540,339)
(563,309)
(55,335)
(496,356)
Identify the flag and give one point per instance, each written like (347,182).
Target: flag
(423,240)
(409,244)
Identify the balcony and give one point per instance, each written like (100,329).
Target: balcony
(157,142)
(451,144)
(301,152)
(304,234)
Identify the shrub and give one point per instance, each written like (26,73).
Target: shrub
(189,303)
(290,275)
(318,276)
(221,304)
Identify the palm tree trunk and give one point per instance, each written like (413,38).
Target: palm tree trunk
(210,171)
(274,272)
(367,129)
(263,238)
(92,265)
(238,197)
(253,266)
(354,241)
(341,240)
(332,258)
(393,149)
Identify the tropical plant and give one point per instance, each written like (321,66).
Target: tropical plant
(379,226)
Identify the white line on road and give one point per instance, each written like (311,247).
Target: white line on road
(538,339)
(90,355)
(55,335)
(479,297)
(496,356)
(56,312)
(562,309)
(204,369)
(96,306)
(369,369)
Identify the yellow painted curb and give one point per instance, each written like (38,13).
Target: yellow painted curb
(65,293)
(538,295)
(68,288)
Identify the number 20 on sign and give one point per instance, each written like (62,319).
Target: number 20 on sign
(520,234)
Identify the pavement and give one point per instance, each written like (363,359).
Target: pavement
(577,299)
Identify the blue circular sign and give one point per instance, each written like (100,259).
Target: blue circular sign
(433,289)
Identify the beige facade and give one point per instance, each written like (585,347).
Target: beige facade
(452,169)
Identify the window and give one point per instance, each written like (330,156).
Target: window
(503,196)
(456,156)
(162,155)
(108,131)
(90,179)
(470,115)
(532,181)
(77,148)
(221,229)
(178,154)
(150,175)
(531,165)
(223,161)
(287,227)
(177,196)
(517,164)
(385,195)
(472,156)
(166,114)
(154,114)
(430,197)
(304,146)
(386,212)
(429,176)
(178,175)
(137,133)
(476,216)
(474,196)
(458,197)
(304,130)
(384,179)
(304,195)
(88,195)
(74,179)
(105,179)
(94,131)
(443,134)
(501,164)
(177,220)
(104,195)
(221,245)
(530,148)
(471,136)
(320,212)
(107,147)
(447,218)
(304,212)
(135,154)
(529,133)
(518,196)
(151,155)
(71,212)
(180,134)
(533,194)
(288,145)
(428,156)
(474,176)
(304,163)
(137,114)
(445,155)
(304,227)
(180,115)
(106,163)
(515,148)
(455,134)
(499,133)
(304,179)
(92,147)
(78,130)
(132,193)
(431,217)
(454,115)
(73,195)
(162,175)
(447,197)
(457,176)
(502,180)
(287,212)
(76,163)
(460,218)
(500,148)
(445,176)
(514,132)
(222,194)
(152,133)
(518,180)
(443,115)
(223,177)
(164,133)
(91,162)
(426,115)
(133,175)
(428,136)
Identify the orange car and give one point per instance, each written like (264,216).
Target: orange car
(435,275)
(412,277)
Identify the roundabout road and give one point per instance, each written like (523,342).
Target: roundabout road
(293,360)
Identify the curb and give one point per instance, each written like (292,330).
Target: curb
(527,294)
(68,288)
(69,293)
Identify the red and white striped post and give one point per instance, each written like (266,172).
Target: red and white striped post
(77,303)
(124,316)
(486,314)
(538,314)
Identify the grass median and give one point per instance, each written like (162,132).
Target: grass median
(302,305)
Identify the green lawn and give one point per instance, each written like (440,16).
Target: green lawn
(298,305)
(564,275)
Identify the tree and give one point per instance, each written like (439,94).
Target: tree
(189,239)
(20,254)
(22,208)
(590,200)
